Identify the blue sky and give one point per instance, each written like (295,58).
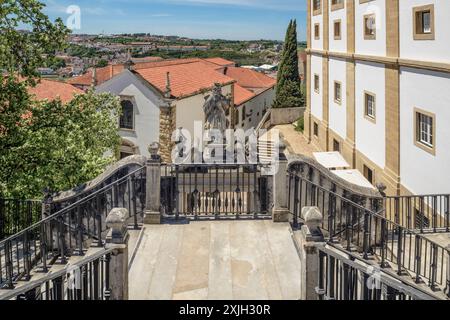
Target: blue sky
(206,19)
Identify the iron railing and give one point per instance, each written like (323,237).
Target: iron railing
(85,280)
(16,215)
(213,191)
(371,234)
(343,277)
(425,213)
(70,230)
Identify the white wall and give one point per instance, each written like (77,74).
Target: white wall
(316,98)
(375,47)
(256,107)
(370,137)
(338,112)
(190,109)
(316,44)
(338,45)
(421,172)
(146,107)
(426,50)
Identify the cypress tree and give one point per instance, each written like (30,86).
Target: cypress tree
(288,91)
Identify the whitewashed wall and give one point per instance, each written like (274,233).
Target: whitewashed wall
(427,50)
(338,112)
(375,47)
(338,45)
(421,172)
(256,107)
(370,137)
(146,107)
(316,98)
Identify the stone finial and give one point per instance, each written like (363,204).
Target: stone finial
(117,222)
(153,149)
(313,218)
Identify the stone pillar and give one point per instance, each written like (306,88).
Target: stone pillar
(280,210)
(310,238)
(117,239)
(153,187)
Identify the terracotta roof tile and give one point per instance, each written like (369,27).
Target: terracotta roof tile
(49,89)
(241,95)
(250,79)
(185,78)
(102,75)
(221,62)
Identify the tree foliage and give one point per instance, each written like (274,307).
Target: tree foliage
(45,143)
(289,92)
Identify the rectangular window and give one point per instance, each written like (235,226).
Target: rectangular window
(316,129)
(369,106)
(337,4)
(425,124)
(127,115)
(317,7)
(337,92)
(243,113)
(336,146)
(368,174)
(317,31)
(370,27)
(423,18)
(337,30)
(316,83)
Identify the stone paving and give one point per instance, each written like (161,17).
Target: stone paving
(229,260)
(295,141)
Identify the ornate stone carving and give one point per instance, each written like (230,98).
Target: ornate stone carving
(215,108)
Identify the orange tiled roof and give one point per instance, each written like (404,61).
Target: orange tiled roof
(102,75)
(221,62)
(250,79)
(241,95)
(186,77)
(51,90)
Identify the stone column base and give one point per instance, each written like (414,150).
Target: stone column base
(152,218)
(280,215)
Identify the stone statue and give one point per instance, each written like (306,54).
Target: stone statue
(215,108)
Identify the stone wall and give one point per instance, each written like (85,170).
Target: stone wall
(167,125)
(285,115)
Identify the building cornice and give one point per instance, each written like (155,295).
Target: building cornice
(400,62)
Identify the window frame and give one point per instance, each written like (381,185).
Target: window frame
(339,22)
(316,129)
(416,24)
(365,28)
(337,6)
(417,131)
(316,88)
(131,100)
(338,101)
(372,118)
(318,10)
(317,35)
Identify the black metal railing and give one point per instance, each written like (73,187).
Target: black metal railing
(16,215)
(88,279)
(71,230)
(343,277)
(371,234)
(424,213)
(219,191)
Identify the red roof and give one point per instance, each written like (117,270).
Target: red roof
(102,75)
(250,79)
(241,95)
(186,77)
(221,62)
(51,90)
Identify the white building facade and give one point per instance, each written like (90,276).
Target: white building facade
(378,89)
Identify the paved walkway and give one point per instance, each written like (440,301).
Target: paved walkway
(229,260)
(296,142)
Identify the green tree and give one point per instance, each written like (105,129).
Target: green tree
(45,144)
(102,63)
(288,90)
